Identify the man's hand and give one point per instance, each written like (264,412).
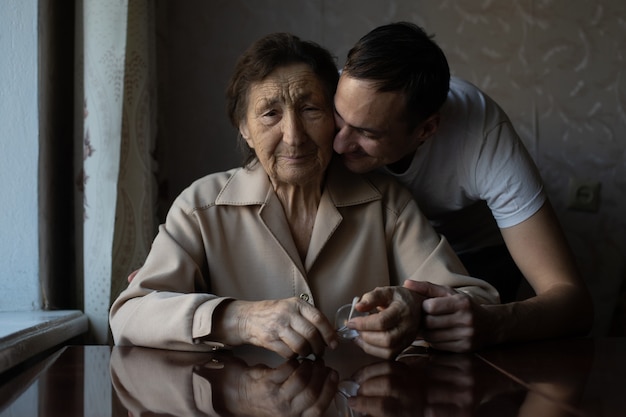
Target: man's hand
(290,327)
(396,324)
(452,321)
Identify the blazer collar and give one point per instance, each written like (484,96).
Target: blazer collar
(247,186)
(252,186)
(342,188)
(346,188)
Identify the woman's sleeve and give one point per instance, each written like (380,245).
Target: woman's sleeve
(167,305)
(420,254)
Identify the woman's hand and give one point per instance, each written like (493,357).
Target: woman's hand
(290,327)
(452,321)
(396,324)
(292,389)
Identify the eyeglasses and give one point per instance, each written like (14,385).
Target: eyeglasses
(344,314)
(346,389)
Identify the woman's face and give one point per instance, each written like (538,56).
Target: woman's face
(290,125)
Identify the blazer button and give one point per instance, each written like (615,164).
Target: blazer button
(304,297)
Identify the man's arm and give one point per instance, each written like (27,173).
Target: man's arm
(562,305)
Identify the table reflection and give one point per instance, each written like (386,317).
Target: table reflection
(559,378)
(435,384)
(557,373)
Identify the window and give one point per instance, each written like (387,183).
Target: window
(36,251)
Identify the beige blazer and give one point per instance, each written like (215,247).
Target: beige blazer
(226,236)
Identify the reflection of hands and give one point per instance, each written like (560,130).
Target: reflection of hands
(164,382)
(396,324)
(289,327)
(292,389)
(452,321)
(434,385)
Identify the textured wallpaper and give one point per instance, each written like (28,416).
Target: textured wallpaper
(557,68)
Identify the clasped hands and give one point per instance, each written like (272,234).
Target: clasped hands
(445,318)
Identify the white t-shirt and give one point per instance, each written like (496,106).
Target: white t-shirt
(475,174)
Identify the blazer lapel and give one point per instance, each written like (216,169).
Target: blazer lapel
(342,189)
(273,217)
(326,222)
(252,187)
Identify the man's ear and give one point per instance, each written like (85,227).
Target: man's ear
(428,127)
(245,133)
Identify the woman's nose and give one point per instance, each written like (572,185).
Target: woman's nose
(293,130)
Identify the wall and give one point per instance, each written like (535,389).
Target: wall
(557,68)
(19,266)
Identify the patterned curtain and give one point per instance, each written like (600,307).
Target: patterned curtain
(115,137)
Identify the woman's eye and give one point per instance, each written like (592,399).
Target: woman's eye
(270,116)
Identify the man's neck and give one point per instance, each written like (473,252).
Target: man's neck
(400,166)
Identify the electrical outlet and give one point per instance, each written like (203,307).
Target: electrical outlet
(583,195)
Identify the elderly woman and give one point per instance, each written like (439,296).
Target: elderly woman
(265,254)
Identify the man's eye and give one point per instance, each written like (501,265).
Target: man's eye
(368,135)
(310,109)
(313,111)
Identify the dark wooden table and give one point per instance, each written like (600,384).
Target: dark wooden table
(580,377)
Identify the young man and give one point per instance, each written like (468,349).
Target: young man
(398,110)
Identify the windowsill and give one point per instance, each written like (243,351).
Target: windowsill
(24,334)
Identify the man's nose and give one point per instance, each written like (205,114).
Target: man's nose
(342,142)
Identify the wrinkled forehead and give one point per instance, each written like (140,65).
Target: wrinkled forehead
(287,85)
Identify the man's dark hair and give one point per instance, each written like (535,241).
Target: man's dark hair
(264,56)
(402,57)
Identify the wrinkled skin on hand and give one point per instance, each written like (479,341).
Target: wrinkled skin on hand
(394,326)
(452,320)
(292,389)
(290,327)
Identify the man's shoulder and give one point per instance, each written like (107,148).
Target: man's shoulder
(457,83)
(469,112)
(464,94)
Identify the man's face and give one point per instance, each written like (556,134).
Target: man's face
(372,130)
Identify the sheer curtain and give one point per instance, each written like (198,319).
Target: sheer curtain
(115,138)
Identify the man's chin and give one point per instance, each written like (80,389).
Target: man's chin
(357,164)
